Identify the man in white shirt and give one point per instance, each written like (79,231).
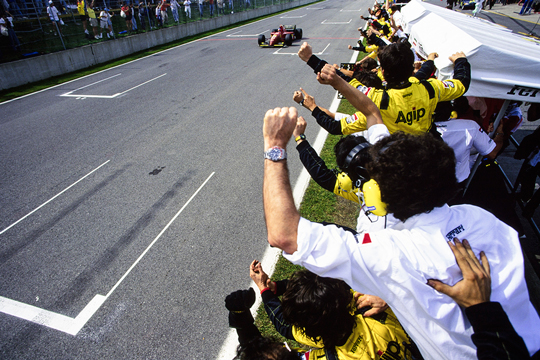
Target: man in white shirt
(54,16)
(462,136)
(416,177)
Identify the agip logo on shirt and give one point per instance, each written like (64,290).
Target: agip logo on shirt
(408,118)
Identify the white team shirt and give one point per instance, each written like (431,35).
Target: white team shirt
(461,136)
(398,18)
(53,13)
(395,265)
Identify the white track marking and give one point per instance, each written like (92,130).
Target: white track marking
(278,51)
(344,10)
(79,96)
(51,199)
(50,319)
(128,63)
(73,325)
(249,35)
(335,23)
(293,17)
(159,235)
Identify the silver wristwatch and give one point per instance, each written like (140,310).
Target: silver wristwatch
(275,154)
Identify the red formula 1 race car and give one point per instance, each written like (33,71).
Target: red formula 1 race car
(284,36)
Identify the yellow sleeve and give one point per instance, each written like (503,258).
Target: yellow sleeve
(448,89)
(371,48)
(353,123)
(355,83)
(380,74)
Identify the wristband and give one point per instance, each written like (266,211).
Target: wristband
(266,288)
(300,137)
(302,102)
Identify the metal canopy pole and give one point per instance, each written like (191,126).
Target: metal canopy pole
(491,135)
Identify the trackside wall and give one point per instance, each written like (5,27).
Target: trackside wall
(30,70)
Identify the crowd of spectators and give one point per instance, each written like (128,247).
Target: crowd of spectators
(60,18)
(402,285)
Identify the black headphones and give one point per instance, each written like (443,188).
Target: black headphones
(360,171)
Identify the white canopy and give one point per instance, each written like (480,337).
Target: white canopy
(504,65)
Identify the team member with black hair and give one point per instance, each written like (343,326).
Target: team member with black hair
(320,312)
(416,177)
(407,104)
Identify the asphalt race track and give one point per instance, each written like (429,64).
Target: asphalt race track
(131,199)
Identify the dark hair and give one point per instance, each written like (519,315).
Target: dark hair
(367,64)
(460,105)
(397,62)
(369,79)
(357,166)
(443,111)
(415,173)
(320,307)
(263,348)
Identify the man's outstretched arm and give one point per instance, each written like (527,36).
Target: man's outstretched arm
(279,211)
(357,99)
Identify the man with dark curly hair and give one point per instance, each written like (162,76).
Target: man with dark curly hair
(415,173)
(417,178)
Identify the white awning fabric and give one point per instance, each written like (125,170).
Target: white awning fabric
(504,65)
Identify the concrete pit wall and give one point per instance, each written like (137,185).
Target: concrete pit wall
(30,70)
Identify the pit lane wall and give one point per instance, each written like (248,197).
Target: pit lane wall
(30,70)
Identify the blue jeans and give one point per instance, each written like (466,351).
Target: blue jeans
(526,6)
(211,10)
(174,13)
(201,10)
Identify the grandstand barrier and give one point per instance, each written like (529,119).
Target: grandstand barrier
(21,72)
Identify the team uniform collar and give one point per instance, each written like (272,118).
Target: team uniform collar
(401,85)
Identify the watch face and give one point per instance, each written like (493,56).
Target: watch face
(275,154)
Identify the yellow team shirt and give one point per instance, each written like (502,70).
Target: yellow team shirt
(409,109)
(91,13)
(372,51)
(80,7)
(371,339)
